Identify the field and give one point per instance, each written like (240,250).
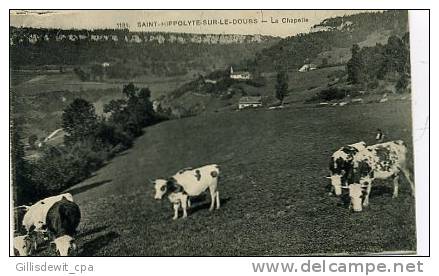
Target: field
(273,192)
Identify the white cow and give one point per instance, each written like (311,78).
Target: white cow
(35,217)
(189,182)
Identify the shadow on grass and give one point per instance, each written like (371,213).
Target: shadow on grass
(204,204)
(91,231)
(380,190)
(90,248)
(84,188)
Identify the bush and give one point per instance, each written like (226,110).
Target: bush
(330,94)
(60,168)
(257,82)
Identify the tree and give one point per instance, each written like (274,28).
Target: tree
(79,121)
(281,86)
(32,139)
(355,66)
(324,62)
(131,114)
(22,187)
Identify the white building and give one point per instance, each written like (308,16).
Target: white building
(250,102)
(308,67)
(239,75)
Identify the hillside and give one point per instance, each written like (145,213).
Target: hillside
(130,54)
(331,34)
(328,45)
(274,200)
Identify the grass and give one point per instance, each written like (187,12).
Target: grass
(273,191)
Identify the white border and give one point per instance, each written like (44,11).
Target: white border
(237,266)
(419,25)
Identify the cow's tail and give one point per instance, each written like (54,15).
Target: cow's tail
(403,164)
(406,173)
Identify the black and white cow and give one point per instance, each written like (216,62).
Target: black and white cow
(380,161)
(189,182)
(62,220)
(340,162)
(35,216)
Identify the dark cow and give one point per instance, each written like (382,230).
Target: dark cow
(62,220)
(380,161)
(340,162)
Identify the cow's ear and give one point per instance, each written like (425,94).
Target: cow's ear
(328,177)
(344,187)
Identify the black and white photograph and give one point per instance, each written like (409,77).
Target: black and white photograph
(211,133)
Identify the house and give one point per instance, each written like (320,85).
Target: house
(239,75)
(250,102)
(308,67)
(210,81)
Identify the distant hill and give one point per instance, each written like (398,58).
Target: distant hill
(131,54)
(333,36)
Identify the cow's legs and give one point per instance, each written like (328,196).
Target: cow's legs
(395,186)
(176,207)
(217,200)
(212,190)
(407,176)
(366,199)
(184,201)
(189,203)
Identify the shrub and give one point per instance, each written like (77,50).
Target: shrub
(330,94)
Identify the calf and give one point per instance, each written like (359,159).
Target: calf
(189,182)
(340,162)
(35,217)
(62,220)
(380,161)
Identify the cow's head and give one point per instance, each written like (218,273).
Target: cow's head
(160,186)
(357,193)
(65,245)
(23,245)
(39,226)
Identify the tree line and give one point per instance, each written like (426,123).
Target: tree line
(89,141)
(292,52)
(391,62)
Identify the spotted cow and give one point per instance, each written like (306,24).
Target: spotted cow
(186,183)
(380,161)
(340,161)
(35,216)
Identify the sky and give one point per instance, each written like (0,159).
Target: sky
(289,22)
